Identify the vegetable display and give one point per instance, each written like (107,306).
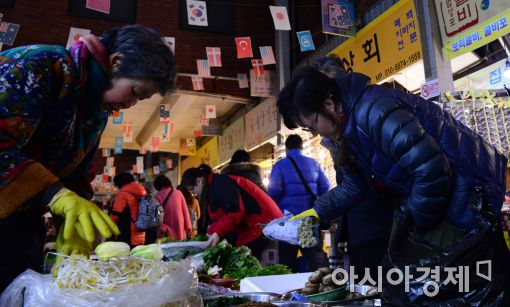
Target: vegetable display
(237,262)
(78,272)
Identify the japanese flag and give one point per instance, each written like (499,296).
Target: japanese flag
(244,47)
(197,13)
(280,17)
(210,111)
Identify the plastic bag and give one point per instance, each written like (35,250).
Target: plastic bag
(282,229)
(34,289)
(180,250)
(482,251)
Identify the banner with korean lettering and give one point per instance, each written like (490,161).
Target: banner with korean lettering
(207,154)
(478,36)
(386,46)
(261,123)
(233,138)
(263,86)
(456,17)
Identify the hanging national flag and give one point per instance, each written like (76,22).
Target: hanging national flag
(266,52)
(155,169)
(8,32)
(244,47)
(117,118)
(210,111)
(127,132)
(109,162)
(165,134)
(203,68)
(213,56)
(280,17)
(169,163)
(170,42)
(155,144)
(198,83)
(74,35)
(204,121)
(102,6)
(139,165)
(106,152)
(119,143)
(305,41)
(243,80)
(197,133)
(164,113)
(258,67)
(197,13)
(143,151)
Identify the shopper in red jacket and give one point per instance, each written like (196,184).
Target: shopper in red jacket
(237,207)
(125,209)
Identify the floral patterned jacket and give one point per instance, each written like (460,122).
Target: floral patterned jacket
(49,125)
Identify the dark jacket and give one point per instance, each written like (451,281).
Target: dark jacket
(238,208)
(287,189)
(368,222)
(251,171)
(413,148)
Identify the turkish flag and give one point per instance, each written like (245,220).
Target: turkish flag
(244,47)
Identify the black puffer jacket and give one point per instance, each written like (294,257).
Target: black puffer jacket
(413,148)
(251,171)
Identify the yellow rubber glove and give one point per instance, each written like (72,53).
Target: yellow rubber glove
(309,212)
(75,245)
(75,208)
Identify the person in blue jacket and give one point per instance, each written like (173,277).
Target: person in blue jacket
(429,161)
(288,190)
(367,226)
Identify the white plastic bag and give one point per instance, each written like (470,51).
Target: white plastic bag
(34,289)
(282,229)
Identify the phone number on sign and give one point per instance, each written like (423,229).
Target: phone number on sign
(399,65)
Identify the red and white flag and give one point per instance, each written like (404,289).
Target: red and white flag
(204,121)
(244,47)
(243,80)
(280,17)
(203,68)
(210,111)
(102,6)
(155,142)
(213,56)
(198,83)
(267,55)
(258,67)
(127,132)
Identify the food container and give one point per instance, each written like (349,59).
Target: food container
(296,304)
(333,295)
(265,297)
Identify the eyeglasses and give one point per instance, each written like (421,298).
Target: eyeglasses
(312,126)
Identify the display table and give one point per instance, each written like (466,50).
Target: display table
(275,283)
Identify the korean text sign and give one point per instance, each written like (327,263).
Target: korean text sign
(456,17)
(233,138)
(386,46)
(261,123)
(479,35)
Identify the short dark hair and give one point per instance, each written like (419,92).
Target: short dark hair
(294,141)
(239,156)
(144,56)
(190,176)
(329,65)
(162,182)
(122,179)
(305,94)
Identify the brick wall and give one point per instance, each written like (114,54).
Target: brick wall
(46,21)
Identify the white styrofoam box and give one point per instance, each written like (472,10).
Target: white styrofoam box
(274,283)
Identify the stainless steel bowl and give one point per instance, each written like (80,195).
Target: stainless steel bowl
(265,297)
(296,304)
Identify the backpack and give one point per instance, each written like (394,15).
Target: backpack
(150,214)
